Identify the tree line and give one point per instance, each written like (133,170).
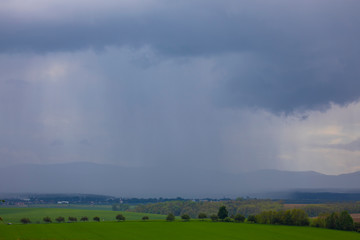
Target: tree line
(240,206)
(314,210)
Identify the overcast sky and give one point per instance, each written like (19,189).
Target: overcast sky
(231,85)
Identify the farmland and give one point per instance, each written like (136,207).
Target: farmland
(167,230)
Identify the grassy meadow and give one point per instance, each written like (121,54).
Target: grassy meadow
(36,215)
(168,230)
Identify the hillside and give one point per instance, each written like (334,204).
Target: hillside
(147,182)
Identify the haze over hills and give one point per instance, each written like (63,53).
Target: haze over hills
(154,182)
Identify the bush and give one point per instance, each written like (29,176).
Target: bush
(251,219)
(47,219)
(214,217)
(72,219)
(60,219)
(170,217)
(239,218)
(202,216)
(25,220)
(120,217)
(144,218)
(319,221)
(228,219)
(357,227)
(96,219)
(84,219)
(185,217)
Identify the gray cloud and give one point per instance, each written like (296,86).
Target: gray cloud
(351,146)
(173,85)
(295,56)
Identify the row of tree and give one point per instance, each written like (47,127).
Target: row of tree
(60,219)
(245,207)
(314,210)
(222,215)
(295,217)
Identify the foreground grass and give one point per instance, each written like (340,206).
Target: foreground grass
(168,230)
(36,215)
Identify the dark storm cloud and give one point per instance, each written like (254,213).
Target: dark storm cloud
(303,55)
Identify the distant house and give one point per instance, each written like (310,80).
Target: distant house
(63,202)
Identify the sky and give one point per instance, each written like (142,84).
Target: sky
(220,85)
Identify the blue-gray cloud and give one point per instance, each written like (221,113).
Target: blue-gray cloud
(170,85)
(304,54)
(351,146)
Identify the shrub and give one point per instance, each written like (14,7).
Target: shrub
(60,219)
(185,217)
(214,217)
(84,219)
(228,219)
(47,219)
(357,226)
(144,218)
(120,217)
(202,216)
(170,217)
(319,221)
(239,218)
(25,220)
(96,219)
(72,219)
(251,218)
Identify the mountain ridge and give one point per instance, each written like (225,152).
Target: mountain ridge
(107,179)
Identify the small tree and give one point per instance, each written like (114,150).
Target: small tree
(251,218)
(96,219)
(170,217)
(214,217)
(84,219)
(319,221)
(202,216)
(72,219)
(345,222)
(185,217)
(25,220)
(120,217)
(60,219)
(47,219)
(222,213)
(332,220)
(144,218)
(239,218)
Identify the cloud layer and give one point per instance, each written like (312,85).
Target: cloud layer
(218,85)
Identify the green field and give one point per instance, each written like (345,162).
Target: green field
(168,230)
(36,215)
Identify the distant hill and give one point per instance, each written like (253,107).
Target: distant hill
(153,182)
